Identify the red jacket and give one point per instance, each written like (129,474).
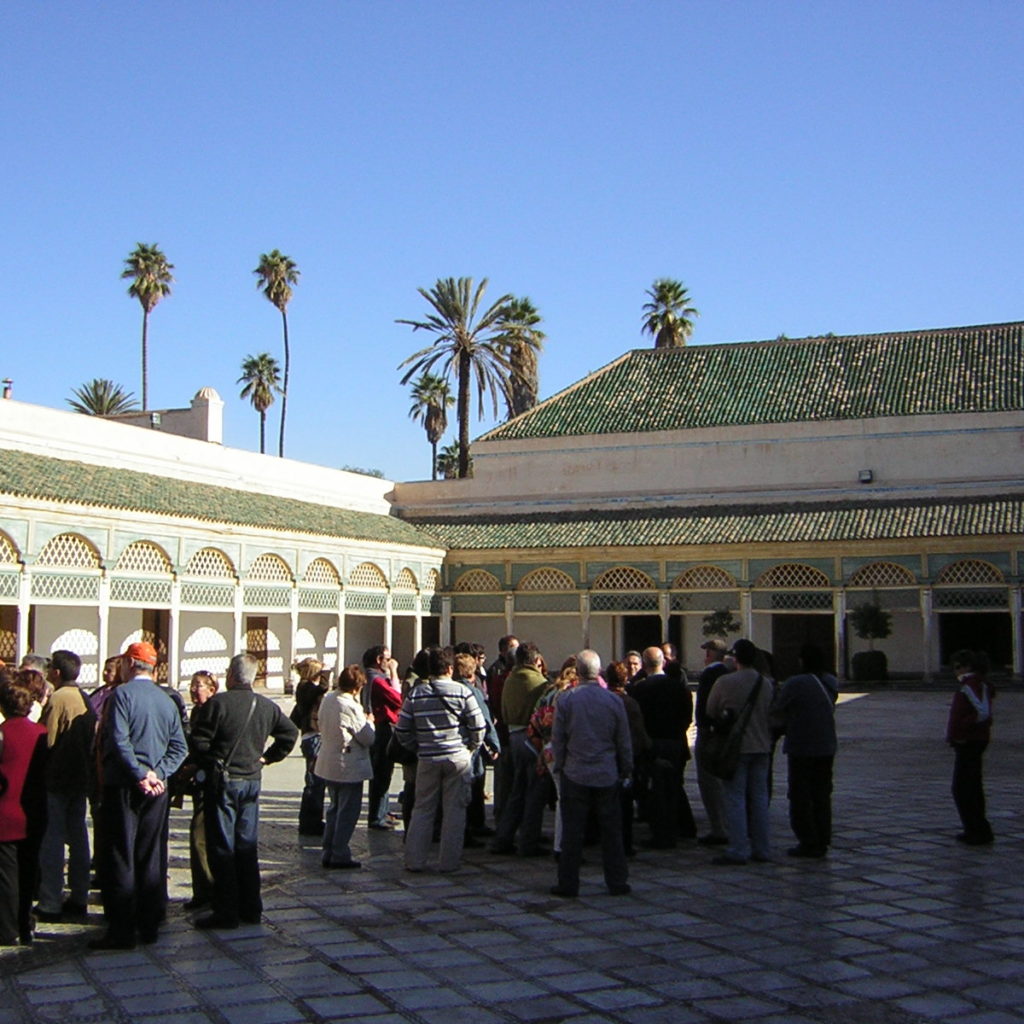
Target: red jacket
(964,725)
(22,791)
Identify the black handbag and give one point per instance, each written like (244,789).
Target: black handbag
(719,749)
(216,772)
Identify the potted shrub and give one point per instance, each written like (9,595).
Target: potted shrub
(871,622)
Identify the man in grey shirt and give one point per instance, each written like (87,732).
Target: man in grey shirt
(593,753)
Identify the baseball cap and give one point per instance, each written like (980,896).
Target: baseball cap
(141,651)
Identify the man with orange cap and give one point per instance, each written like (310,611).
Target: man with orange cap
(142,743)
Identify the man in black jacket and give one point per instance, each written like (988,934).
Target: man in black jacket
(668,711)
(233,728)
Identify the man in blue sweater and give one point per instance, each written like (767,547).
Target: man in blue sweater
(142,744)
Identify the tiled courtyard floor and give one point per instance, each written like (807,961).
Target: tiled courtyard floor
(900,924)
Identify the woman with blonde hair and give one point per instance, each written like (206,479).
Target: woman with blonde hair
(343,764)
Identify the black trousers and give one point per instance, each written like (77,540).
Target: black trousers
(19,864)
(810,801)
(133,854)
(577,804)
(232,846)
(667,806)
(969,790)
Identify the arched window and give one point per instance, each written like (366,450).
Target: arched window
(969,571)
(405,580)
(367,576)
(624,577)
(792,576)
(210,563)
(144,556)
(270,568)
(882,574)
(322,573)
(477,580)
(704,577)
(68,551)
(546,579)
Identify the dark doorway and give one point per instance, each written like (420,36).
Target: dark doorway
(791,632)
(256,629)
(156,623)
(8,633)
(990,632)
(640,631)
(431,630)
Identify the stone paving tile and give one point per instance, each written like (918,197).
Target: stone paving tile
(357,1006)
(935,1005)
(429,998)
(268,1011)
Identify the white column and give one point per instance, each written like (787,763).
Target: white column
(927,633)
(746,613)
(1017,632)
(174,637)
(417,624)
(585,619)
(839,611)
(239,618)
(388,623)
(341,659)
(24,606)
(446,620)
(510,613)
(292,633)
(665,611)
(103,625)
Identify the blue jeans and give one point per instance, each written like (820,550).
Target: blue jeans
(65,825)
(746,808)
(311,806)
(342,815)
(232,835)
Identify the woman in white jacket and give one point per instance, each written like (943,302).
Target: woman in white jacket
(346,735)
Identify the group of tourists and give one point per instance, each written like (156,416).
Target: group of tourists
(605,745)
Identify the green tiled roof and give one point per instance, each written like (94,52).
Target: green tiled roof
(778,524)
(953,370)
(37,476)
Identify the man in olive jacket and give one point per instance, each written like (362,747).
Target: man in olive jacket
(233,727)
(523,808)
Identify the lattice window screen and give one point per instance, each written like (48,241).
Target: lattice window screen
(321,572)
(210,563)
(477,580)
(433,581)
(405,580)
(546,579)
(704,577)
(368,576)
(969,571)
(69,551)
(882,574)
(143,556)
(8,552)
(270,569)
(623,577)
(793,574)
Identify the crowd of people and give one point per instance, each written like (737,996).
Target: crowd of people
(606,746)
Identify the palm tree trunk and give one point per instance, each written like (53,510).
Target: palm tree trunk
(433,460)
(263,432)
(145,360)
(463,414)
(284,391)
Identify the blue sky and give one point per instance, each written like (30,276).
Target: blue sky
(802,167)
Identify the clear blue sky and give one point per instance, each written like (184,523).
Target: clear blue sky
(802,167)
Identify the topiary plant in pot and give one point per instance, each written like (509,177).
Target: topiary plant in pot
(871,622)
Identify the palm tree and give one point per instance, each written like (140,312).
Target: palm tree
(522,339)
(447,461)
(261,376)
(431,400)
(466,343)
(151,279)
(668,317)
(277,273)
(102,397)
